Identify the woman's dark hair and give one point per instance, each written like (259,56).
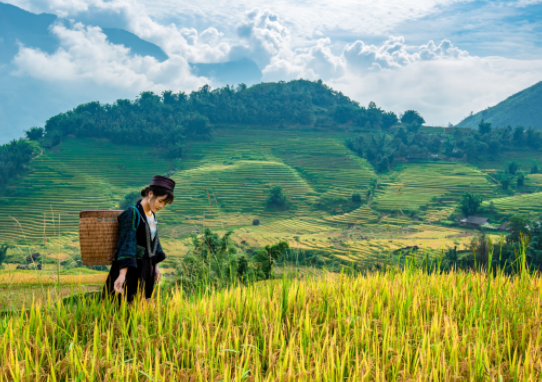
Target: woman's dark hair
(158,191)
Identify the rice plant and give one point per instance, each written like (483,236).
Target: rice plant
(401,325)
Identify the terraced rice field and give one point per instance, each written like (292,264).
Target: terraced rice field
(362,215)
(79,174)
(224,184)
(413,185)
(240,187)
(518,204)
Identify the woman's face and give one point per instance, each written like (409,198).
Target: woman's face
(156,203)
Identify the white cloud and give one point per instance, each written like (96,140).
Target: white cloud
(263,37)
(310,63)
(85,55)
(287,40)
(395,54)
(525,3)
(443,90)
(302,17)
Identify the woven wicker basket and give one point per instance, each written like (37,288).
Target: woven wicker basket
(98,236)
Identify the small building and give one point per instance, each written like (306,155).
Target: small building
(475,221)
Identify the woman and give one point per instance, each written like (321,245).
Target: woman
(138,253)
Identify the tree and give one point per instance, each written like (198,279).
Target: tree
(413,127)
(492,207)
(356,197)
(494,147)
(518,225)
(414,151)
(521,180)
(130,199)
(14,158)
(357,145)
(212,261)
(504,180)
(484,127)
(402,135)
(265,258)
(389,119)
(34,133)
(344,113)
(277,197)
(412,116)
(534,168)
(197,127)
(434,144)
(512,167)
(533,138)
(470,204)
(518,134)
(168,97)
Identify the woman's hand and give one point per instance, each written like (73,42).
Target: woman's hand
(119,282)
(157,274)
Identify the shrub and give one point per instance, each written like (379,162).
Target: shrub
(266,257)
(521,180)
(512,167)
(34,133)
(130,199)
(470,203)
(211,262)
(356,197)
(412,116)
(276,198)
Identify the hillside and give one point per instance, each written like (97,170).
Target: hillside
(223,184)
(523,108)
(356,186)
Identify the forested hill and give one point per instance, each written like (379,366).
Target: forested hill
(523,108)
(167,120)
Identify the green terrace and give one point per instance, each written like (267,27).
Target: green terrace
(428,185)
(79,174)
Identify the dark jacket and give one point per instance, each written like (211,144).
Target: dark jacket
(132,253)
(132,242)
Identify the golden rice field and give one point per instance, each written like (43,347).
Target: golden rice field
(389,326)
(49,278)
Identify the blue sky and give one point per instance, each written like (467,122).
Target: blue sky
(444,58)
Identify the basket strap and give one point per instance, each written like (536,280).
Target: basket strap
(138,218)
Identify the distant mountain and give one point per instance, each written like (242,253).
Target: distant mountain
(523,108)
(25,101)
(18,25)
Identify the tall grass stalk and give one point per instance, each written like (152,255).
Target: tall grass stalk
(407,325)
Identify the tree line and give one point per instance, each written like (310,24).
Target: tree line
(382,149)
(170,119)
(14,159)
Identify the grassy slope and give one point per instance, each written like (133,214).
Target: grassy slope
(414,185)
(224,184)
(523,108)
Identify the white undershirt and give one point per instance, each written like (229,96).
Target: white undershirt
(152,224)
